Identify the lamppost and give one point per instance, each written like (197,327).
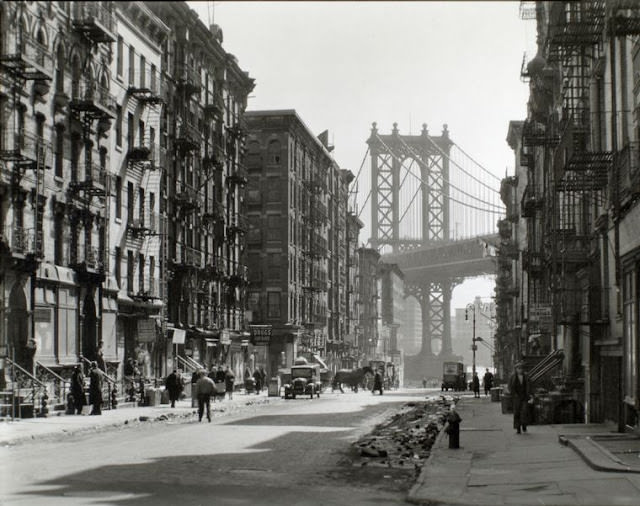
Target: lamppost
(472,307)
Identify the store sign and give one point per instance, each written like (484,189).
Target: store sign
(541,314)
(260,334)
(146,331)
(225,336)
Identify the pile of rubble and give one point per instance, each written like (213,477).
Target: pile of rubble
(405,440)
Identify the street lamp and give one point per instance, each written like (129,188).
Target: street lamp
(472,306)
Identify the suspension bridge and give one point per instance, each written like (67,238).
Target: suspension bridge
(434,212)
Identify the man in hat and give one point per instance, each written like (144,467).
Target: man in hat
(520,393)
(95,389)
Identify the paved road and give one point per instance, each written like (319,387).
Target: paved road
(290,453)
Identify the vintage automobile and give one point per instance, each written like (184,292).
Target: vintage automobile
(305,380)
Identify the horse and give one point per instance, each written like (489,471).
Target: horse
(353,378)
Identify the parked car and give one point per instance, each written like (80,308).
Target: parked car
(305,380)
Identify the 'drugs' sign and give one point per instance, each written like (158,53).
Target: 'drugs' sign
(260,334)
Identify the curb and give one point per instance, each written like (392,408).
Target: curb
(596,456)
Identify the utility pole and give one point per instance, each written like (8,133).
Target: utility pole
(473,335)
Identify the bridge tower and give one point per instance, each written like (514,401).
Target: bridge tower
(390,155)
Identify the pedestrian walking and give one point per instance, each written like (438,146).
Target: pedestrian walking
(229,380)
(452,427)
(263,374)
(77,390)
(377,383)
(95,389)
(174,386)
(206,388)
(487,381)
(475,384)
(257,377)
(424,382)
(520,395)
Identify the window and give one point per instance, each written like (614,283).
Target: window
(152,78)
(60,60)
(152,271)
(141,272)
(130,270)
(132,65)
(118,197)
(117,267)
(273,153)
(130,197)
(58,226)
(119,126)
(130,131)
(59,161)
(141,204)
(119,56)
(143,80)
(273,304)
(273,228)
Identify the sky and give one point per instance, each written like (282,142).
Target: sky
(344,65)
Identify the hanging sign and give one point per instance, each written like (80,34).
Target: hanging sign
(260,334)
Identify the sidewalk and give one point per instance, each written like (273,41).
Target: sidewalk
(57,424)
(549,464)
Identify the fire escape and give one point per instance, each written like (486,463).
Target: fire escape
(24,59)
(316,253)
(90,102)
(580,172)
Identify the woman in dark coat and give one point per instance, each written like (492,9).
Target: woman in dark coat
(519,389)
(77,390)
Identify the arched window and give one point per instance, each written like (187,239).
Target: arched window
(76,70)
(60,61)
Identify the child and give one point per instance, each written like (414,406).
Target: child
(452,427)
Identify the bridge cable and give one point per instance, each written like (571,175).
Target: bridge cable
(478,164)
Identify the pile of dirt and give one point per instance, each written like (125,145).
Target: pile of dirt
(404,441)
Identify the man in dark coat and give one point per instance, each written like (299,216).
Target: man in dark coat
(377,383)
(257,377)
(77,390)
(519,389)
(95,389)
(173,384)
(487,380)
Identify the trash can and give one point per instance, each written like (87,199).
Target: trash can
(274,387)
(152,397)
(507,403)
(164,396)
(496,393)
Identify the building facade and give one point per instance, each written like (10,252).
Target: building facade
(121,190)
(576,199)
(296,206)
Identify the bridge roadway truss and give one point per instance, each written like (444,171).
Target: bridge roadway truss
(433,264)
